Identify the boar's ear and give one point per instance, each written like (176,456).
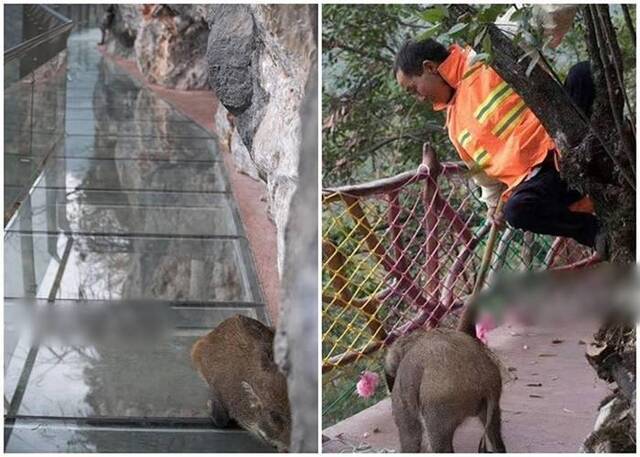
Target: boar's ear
(254,400)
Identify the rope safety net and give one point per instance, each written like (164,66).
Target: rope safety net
(403,252)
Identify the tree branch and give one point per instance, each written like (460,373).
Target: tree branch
(629,22)
(614,50)
(615,104)
(415,136)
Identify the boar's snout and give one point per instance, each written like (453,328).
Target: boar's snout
(273,417)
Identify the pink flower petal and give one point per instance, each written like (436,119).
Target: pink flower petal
(367,384)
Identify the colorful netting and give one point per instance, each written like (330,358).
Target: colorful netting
(403,252)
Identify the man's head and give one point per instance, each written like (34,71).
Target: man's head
(416,70)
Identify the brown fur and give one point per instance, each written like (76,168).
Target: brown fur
(439,378)
(236,361)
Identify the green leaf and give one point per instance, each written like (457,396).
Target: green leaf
(519,14)
(430,32)
(517,38)
(435,14)
(486,44)
(457,28)
(479,38)
(491,13)
(473,29)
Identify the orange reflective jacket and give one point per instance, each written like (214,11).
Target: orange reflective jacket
(488,123)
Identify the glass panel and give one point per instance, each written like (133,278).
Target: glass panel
(102,349)
(137,128)
(147,148)
(34,103)
(88,114)
(12,194)
(71,436)
(104,212)
(125,249)
(115,268)
(131,147)
(147,175)
(19,171)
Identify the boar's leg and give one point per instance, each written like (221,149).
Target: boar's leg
(409,429)
(440,438)
(440,424)
(219,413)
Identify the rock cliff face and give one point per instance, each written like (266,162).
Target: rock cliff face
(167,44)
(124,29)
(256,58)
(259,58)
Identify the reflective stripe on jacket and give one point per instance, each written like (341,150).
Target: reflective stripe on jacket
(488,123)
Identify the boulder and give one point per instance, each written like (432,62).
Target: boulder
(168,43)
(122,34)
(169,49)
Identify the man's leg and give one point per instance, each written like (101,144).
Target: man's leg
(540,205)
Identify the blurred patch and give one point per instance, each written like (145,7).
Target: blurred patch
(598,292)
(126,323)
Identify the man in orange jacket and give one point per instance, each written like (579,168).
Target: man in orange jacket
(500,139)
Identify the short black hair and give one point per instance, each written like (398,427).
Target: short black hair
(412,53)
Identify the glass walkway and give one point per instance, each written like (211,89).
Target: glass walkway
(127,247)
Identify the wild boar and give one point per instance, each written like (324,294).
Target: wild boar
(437,379)
(236,361)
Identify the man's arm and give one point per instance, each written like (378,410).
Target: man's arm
(491,192)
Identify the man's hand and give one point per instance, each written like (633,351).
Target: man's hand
(496,216)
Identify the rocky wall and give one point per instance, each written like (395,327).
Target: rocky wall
(296,341)
(259,59)
(167,43)
(122,33)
